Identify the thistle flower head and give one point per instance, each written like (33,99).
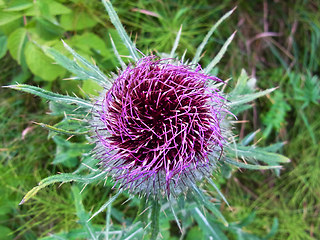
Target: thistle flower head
(158,128)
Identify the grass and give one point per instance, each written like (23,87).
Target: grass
(277,43)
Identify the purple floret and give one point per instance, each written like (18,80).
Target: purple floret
(159,125)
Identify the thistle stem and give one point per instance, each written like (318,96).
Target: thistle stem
(142,213)
(155,219)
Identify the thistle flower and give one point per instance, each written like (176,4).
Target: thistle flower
(158,129)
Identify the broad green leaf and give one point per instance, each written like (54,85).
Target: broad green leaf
(76,21)
(47,8)
(63,99)
(6,233)
(16,43)
(209,34)
(40,64)
(91,87)
(121,31)
(18,5)
(7,17)
(3,46)
(90,43)
(48,30)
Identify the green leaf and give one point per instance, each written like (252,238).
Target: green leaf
(106,204)
(16,43)
(250,166)
(82,214)
(3,46)
(61,131)
(220,54)
(275,117)
(91,87)
(48,30)
(176,42)
(51,96)
(209,34)
(7,17)
(40,64)
(218,190)
(242,99)
(203,200)
(259,154)
(47,9)
(6,233)
(18,5)
(76,21)
(123,65)
(121,31)
(90,43)
(63,178)
(204,224)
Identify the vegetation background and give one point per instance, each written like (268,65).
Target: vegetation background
(277,43)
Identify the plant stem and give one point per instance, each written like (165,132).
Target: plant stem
(155,219)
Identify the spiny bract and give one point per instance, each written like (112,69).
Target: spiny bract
(158,127)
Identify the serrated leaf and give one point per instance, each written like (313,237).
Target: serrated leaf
(261,155)
(220,54)
(121,31)
(40,64)
(51,96)
(209,34)
(242,99)
(250,166)
(60,130)
(204,224)
(82,214)
(62,178)
(203,200)
(16,43)
(105,205)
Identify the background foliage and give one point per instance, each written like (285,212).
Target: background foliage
(277,43)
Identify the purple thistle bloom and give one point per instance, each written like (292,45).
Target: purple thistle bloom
(158,128)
